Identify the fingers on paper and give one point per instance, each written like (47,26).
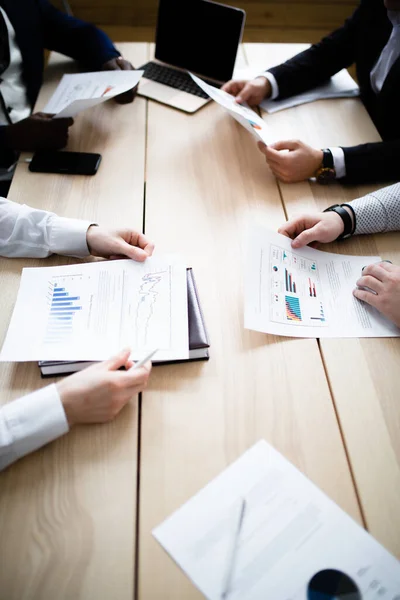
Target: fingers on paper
(367,297)
(368,281)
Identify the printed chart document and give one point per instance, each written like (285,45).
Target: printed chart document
(341,85)
(306,292)
(243,114)
(90,311)
(294,542)
(79,91)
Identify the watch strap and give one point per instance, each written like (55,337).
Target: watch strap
(346,218)
(327,159)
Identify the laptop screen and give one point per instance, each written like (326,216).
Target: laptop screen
(199,36)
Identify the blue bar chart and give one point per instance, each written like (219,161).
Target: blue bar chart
(64,308)
(293,312)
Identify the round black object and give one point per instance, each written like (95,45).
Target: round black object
(332,585)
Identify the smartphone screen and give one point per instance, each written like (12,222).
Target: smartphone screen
(71,163)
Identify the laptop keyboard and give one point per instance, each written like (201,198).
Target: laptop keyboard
(174,78)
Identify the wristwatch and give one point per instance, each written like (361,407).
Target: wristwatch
(349,227)
(326,171)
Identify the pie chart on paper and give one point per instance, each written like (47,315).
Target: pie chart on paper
(331,584)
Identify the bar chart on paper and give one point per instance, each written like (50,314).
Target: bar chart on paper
(64,309)
(296,290)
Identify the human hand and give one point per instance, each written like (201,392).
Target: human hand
(120,64)
(252,92)
(383,279)
(38,132)
(305,229)
(292,161)
(121,243)
(97,394)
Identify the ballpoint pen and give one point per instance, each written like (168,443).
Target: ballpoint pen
(233,552)
(144,360)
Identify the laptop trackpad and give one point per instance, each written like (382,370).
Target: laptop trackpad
(158,91)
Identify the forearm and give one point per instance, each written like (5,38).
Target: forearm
(316,65)
(370,163)
(29,423)
(379,211)
(29,232)
(75,38)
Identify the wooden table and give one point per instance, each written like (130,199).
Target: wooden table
(363,373)
(76,517)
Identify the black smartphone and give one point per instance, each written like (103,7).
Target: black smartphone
(68,163)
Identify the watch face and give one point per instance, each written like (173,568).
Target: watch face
(325,175)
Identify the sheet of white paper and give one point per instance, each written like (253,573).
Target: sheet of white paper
(307,292)
(243,114)
(90,311)
(79,91)
(341,85)
(290,532)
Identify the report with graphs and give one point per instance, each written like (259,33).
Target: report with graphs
(90,311)
(306,292)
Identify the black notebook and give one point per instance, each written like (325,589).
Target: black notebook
(198,339)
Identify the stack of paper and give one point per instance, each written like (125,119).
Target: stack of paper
(294,543)
(341,85)
(90,311)
(83,90)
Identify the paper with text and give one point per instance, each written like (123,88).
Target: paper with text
(291,531)
(306,292)
(79,91)
(90,311)
(243,114)
(341,85)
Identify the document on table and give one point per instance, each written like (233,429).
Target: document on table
(291,534)
(242,113)
(306,292)
(79,91)
(90,311)
(341,85)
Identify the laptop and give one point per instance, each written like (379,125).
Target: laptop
(199,36)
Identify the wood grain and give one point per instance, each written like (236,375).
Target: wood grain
(68,512)
(310,14)
(206,181)
(363,373)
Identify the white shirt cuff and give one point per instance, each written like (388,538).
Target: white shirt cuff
(68,236)
(274,84)
(29,423)
(338,162)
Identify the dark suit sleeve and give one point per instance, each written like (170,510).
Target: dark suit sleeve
(75,38)
(370,163)
(316,65)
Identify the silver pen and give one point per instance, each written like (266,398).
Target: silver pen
(233,552)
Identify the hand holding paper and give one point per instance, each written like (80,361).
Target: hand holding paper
(83,90)
(243,114)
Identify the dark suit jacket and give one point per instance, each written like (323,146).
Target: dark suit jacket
(360,40)
(39,25)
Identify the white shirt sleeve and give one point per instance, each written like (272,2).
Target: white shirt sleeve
(30,422)
(26,231)
(274,84)
(338,162)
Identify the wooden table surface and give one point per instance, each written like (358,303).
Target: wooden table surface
(76,517)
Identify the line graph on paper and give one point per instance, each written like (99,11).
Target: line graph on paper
(147,307)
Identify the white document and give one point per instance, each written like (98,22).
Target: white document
(291,534)
(243,114)
(90,311)
(79,91)
(341,85)
(306,292)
